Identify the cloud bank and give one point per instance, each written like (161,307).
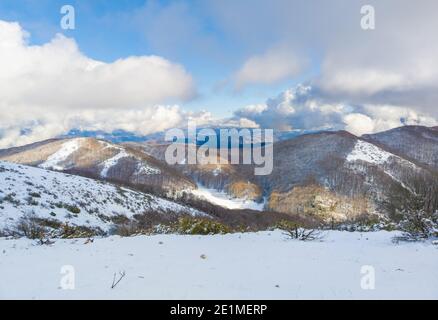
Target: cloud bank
(302,108)
(48,89)
(361,81)
(395,64)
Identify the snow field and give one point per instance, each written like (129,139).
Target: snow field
(263,265)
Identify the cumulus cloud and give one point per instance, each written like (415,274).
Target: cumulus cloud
(48,89)
(376,118)
(302,108)
(273,66)
(295,109)
(395,64)
(58,75)
(21,127)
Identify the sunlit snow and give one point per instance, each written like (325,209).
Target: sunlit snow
(368,152)
(263,265)
(54,161)
(222,199)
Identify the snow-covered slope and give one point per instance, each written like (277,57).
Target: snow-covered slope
(415,142)
(350,167)
(47,194)
(100,159)
(261,265)
(369,153)
(392,165)
(375,179)
(379,179)
(67,148)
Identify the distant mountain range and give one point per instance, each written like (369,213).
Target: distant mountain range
(330,175)
(122,136)
(100,159)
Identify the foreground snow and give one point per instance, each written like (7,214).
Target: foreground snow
(222,199)
(260,265)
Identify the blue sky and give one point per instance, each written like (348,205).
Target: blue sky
(105,31)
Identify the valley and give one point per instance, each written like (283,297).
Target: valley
(325,175)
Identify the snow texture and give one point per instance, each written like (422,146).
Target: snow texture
(142,167)
(37,192)
(262,265)
(369,153)
(222,199)
(54,161)
(111,162)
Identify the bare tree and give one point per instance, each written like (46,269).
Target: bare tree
(418,223)
(295,231)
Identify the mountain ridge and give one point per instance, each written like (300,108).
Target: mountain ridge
(328,172)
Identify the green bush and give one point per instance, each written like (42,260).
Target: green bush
(72,209)
(67,231)
(129,229)
(189,225)
(35,195)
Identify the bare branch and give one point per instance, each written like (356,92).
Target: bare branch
(122,274)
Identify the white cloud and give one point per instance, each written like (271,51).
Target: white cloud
(273,66)
(394,64)
(48,89)
(301,108)
(358,123)
(58,75)
(295,109)
(21,127)
(377,118)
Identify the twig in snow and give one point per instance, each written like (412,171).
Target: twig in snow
(122,274)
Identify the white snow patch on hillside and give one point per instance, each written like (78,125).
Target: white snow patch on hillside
(54,161)
(217,171)
(369,153)
(111,162)
(29,191)
(222,199)
(143,168)
(262,265)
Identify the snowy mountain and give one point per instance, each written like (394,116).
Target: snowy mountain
(327,174)
(338,172)
(122,136)
(334,174)
(413,142)
(33,192)
(101,160)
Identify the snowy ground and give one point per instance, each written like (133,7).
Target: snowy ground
(238,266)
(222,199)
